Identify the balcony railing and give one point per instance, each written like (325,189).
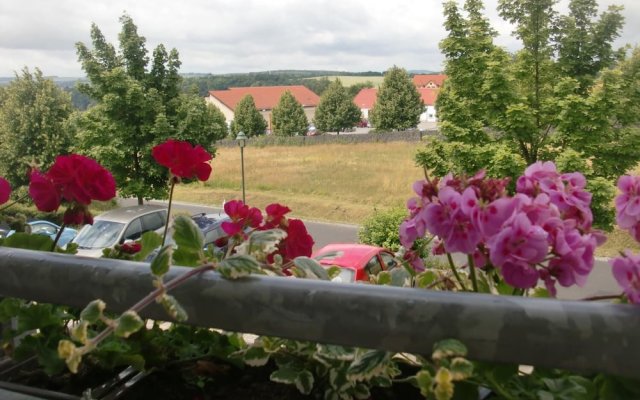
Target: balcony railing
(579,336)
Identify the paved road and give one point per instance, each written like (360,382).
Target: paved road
(601,281)
(323,233)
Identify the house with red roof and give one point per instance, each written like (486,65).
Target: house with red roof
(367,97)
(431,81)
(265,98)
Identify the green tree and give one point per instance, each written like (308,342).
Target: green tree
(33,125)
(336,110)
(584,43)
(247,118)
(354,89)
(564,90)
(399,104)
(288,117)
(139,105)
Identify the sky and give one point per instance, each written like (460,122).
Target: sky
(227,36)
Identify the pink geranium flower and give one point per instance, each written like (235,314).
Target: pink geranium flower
(628,205)
(519,242)
(446,219)
(626,270)
(5,190)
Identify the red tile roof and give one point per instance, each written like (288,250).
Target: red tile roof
(428,95)
(265,97)
(366,98)
(423,80)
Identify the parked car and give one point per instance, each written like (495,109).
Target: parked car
(46,228)
(357,261)
(118,225)
(312,131)
(211,227)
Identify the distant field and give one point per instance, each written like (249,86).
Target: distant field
(337,182)
(348,80)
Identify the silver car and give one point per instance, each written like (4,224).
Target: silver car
(119,225)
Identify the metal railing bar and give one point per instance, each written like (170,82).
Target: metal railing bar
(581,336)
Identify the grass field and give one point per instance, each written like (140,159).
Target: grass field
(348,80)
(337,182)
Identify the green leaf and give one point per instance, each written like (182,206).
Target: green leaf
(238,266)
(149,242)
(504,288)
(71,354)
(384,278)
(304,382)
(333,271)
(187,235)
(444,384)
(366,365)
(173,308)
(448,348)
(540,293)
(426,278)
(262,243)
(186,258)
(461,369)
(93,311)
(128,323)
(79,332)
(311,267)
(381,380)
(285,375)
(162,261)
(335,352)
(255,357)
(424,379)
(361,392)
(338,378)
(21,240)
(400,277)
(38,316)
(9,308)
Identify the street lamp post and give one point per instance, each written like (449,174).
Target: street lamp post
(241,138)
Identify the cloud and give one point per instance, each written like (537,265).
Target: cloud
(222,36)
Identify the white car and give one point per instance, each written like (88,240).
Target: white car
(119,225)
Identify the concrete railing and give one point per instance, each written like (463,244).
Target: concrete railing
(580,336)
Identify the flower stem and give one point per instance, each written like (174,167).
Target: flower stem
(604,297)
(150,298)
(455,272)
(472,273)
(166,226)
(14,202)
(55,241)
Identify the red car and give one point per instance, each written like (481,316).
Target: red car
(358,261)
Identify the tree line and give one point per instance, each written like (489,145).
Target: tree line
(567,95)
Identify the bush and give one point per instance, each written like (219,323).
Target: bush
(381,229)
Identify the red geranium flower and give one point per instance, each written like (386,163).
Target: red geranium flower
(182,159)
(76,179)
(275,214)
(242,216)
(298,242)
(131,248)
(5,190)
